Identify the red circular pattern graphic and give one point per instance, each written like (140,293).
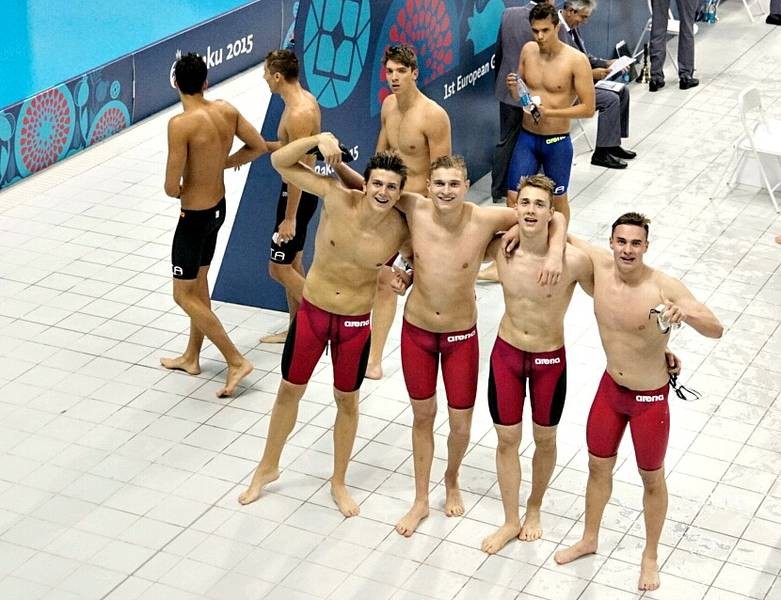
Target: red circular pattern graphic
(424,25)
(46,130)
(111,121)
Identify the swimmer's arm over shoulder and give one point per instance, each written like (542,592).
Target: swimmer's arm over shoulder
(694,312)
(593,252)
(407,203)
(286,162)
(505,223)
(557,234)
(254,144)
(553,265)
(492,250)
(351,178)
(504,217)
(177,158)
(582,269)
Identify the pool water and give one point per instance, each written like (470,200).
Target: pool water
(46,42)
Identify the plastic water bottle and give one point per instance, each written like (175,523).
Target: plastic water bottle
(710,15)
(526,99)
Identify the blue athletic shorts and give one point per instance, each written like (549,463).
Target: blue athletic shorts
(551,152)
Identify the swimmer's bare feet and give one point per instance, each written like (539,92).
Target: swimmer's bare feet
(182,363)
(274,338)
(499,538)
(344,502)
(454,504)
(489,273)
(778,239)
(581,548)
(235,375)
(649,575)
(260,479)
(409,522)
(531,529)
(374,371)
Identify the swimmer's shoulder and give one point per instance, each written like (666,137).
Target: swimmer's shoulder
(433,109)
(389,105)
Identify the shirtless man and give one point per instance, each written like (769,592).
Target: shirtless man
(449,239)
(419,130)
(358,232)
(558,74)
(199,141)
(634,387)
(301,118)
(530,344)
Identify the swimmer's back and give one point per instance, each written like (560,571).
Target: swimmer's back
(208,132)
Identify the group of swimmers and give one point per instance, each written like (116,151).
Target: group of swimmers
(404,225)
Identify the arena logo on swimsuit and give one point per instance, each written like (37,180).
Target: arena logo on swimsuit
(461,337)
(654,398)
(547,361)
(357,323)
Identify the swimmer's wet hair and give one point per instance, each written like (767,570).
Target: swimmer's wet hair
(190,73)
(540,182)
(631,218)
(449,161)
(542,11)
(403,54)
(284,62)
(387,160)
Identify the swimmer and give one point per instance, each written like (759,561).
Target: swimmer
(529,345)
(300,118)
(449,240)
(558,74)
(199,141)
(419,130)
(634,386)
(358,232)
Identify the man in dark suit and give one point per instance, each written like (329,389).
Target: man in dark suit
(514,32)
(613,106)
(660,10)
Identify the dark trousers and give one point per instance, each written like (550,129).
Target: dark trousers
(510,118)
(613,121)
(686,11)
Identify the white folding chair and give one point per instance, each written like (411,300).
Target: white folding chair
(747,4)
(761,139)
(581,134)
(673,29)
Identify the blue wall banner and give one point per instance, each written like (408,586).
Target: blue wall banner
(340,44)
(229,44)
(65,119)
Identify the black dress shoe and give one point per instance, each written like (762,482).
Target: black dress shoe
(655,84)
(607,161)
(688,82)
(773,19)
(620,152)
